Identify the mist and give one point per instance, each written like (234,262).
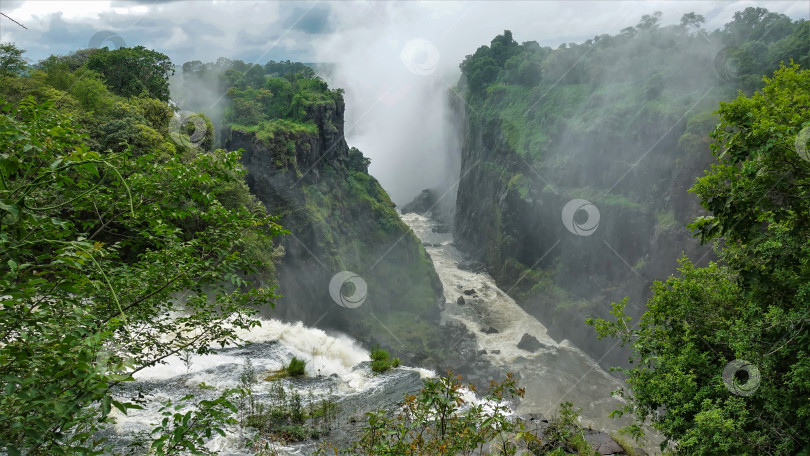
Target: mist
(399,66)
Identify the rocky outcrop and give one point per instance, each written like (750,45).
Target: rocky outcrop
(339,219)
(530,343)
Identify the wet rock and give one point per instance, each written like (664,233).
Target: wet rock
(530,343)
(424,202)
(469,292)
(491,330)
(440,228)
(494,352)
(460,301)
(472,266)
(482,352)
(603,443)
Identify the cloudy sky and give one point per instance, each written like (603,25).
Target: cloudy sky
(395,60)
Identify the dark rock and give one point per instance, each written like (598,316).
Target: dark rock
(469,292)
(494,352)
(423,203)
(603,443)
(482,352)
(472,266)
(491,330)
(530,343)
(460,301)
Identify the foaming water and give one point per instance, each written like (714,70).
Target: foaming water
(325,354)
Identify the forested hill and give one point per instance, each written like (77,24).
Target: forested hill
(619,121)
(290,125)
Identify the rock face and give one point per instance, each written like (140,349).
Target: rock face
(518,175)
(422,204)
(339,219)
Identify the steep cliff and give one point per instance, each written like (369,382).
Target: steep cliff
(576,164)
(339,219)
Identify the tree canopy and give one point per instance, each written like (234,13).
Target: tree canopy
(720,355)
(123,243)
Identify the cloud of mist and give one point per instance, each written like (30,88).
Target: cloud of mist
(398,63)
(396,83)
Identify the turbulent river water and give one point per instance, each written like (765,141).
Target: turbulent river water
(556,373)
(338,366)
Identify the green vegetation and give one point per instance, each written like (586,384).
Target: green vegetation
(120,247)
(622,121)
(438,421)
(296,367)
(381,360)
(285,416)
(750,306)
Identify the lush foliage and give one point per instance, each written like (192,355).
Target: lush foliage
(112,259)
(753,306)
(620,120)
(134,71)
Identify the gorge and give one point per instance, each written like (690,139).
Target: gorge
(590,247)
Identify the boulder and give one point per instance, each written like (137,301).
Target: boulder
(423,203)
(460,301)
(491,330)
(603,443)
(469,292)
(530,343)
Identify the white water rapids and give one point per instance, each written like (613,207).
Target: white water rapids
(556,373)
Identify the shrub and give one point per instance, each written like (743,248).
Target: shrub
(296,367)
(380,360)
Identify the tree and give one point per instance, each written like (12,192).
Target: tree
(96,254)
(649,21)
(703,327)
(692,20)
(12,62)
(134,71)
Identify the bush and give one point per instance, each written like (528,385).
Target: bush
(296,367)
(380,360)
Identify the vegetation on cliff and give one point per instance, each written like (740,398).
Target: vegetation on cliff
(621,121)
(290,124)
(720,355)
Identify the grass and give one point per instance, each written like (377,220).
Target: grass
(296,367)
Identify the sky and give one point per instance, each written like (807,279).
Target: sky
(396,60)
